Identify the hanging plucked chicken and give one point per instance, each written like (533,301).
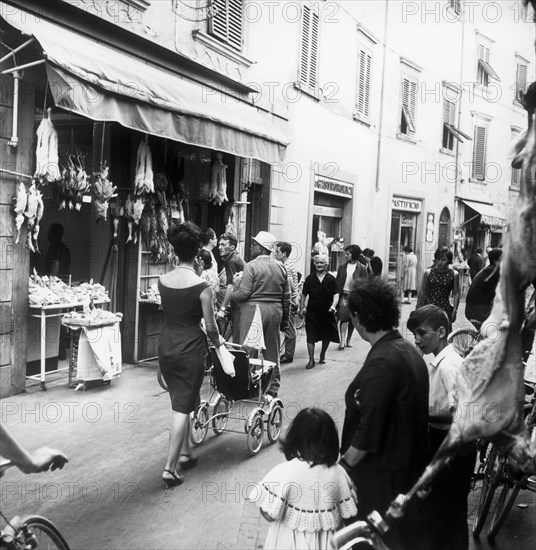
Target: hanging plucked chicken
(103,190)
(19,207)
(144,178)
(46,154)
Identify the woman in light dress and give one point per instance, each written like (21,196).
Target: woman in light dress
(409,275)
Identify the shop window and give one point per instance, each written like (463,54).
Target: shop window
(409,99)
(309,48)
(516,173)
(450,132)
(226,22)
(456,5)
(479,153)
(484,70)
(521,80)
(363,83)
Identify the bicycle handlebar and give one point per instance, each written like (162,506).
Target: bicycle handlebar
(362,532)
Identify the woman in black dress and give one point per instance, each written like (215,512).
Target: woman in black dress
(320,296)
(182,351)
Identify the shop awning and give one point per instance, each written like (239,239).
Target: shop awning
(488,213)
(106,84)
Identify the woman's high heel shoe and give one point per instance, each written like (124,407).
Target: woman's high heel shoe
(172,479)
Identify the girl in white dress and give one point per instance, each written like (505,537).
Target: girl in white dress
(307,497)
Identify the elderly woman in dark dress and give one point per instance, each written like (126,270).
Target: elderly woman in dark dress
(186,299)
(439,282)
(320,295)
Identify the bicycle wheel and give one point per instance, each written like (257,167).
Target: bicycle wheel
(161,380)
(44,533)
(505,502)
(199,424)
(219,423)
(463,340)
(492,475)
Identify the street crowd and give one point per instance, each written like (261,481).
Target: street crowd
(398,410)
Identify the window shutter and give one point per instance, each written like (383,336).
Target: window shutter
(521,80)
(409,98)
(308,70)
(226,22)
(516,172)
(483,53)
(479,153)
(449,112)
(363,83)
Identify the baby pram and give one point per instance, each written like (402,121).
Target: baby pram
(249,385)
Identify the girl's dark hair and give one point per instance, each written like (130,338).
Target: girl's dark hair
(374,302)
(312,436)
(207,235)
(444,251)
(407,249)
(206,257)
(185,239)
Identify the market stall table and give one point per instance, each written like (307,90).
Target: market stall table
(44,312)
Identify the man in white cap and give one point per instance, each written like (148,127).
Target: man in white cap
(264,283)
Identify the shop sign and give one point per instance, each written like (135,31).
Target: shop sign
(334,187)
(408,205)
(493,221)
(328,211)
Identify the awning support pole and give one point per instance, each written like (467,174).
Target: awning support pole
(25,66)
(17,49)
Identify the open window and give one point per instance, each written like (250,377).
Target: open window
(484,69)
(450,131)
(409,99)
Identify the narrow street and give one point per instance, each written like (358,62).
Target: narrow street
(110,495)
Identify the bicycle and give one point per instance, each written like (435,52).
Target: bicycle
(29,532)
(496,472)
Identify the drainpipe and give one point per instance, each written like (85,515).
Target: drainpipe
(14,141)
(457,158)
(382,94)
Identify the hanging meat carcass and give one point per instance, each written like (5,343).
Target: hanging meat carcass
(31,213)
(490,382)
(218,181)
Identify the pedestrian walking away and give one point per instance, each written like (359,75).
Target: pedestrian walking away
(182,350)
(475,262)
(446,505)
(282,253)
(385,444)
(409,274)
(306,498)
(265,283)
(319,300)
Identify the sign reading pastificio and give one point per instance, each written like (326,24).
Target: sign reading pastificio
(408,205)
(334,187)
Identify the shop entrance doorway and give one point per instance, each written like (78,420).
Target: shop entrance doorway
(403,231)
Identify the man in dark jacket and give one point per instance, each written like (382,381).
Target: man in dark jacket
(481,294)
(475,263)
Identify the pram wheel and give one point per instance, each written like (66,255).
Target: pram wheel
(255,432)
(221,407)
(199,424)
(274,423)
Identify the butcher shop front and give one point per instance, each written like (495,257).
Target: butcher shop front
(115,163)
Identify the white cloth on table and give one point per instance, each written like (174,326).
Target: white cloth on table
(99,353)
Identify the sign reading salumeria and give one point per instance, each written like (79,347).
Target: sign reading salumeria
(334,187)
(408,205)
(493,221)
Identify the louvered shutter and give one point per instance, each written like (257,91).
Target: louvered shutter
(483,53)
(479,153)
(226,22)
(409,98)
(516,172)
(449,112)
(309,47)
(521,80)
(363,83)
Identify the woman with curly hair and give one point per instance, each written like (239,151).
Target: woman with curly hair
(385,445)
(182,350)
(439,282)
